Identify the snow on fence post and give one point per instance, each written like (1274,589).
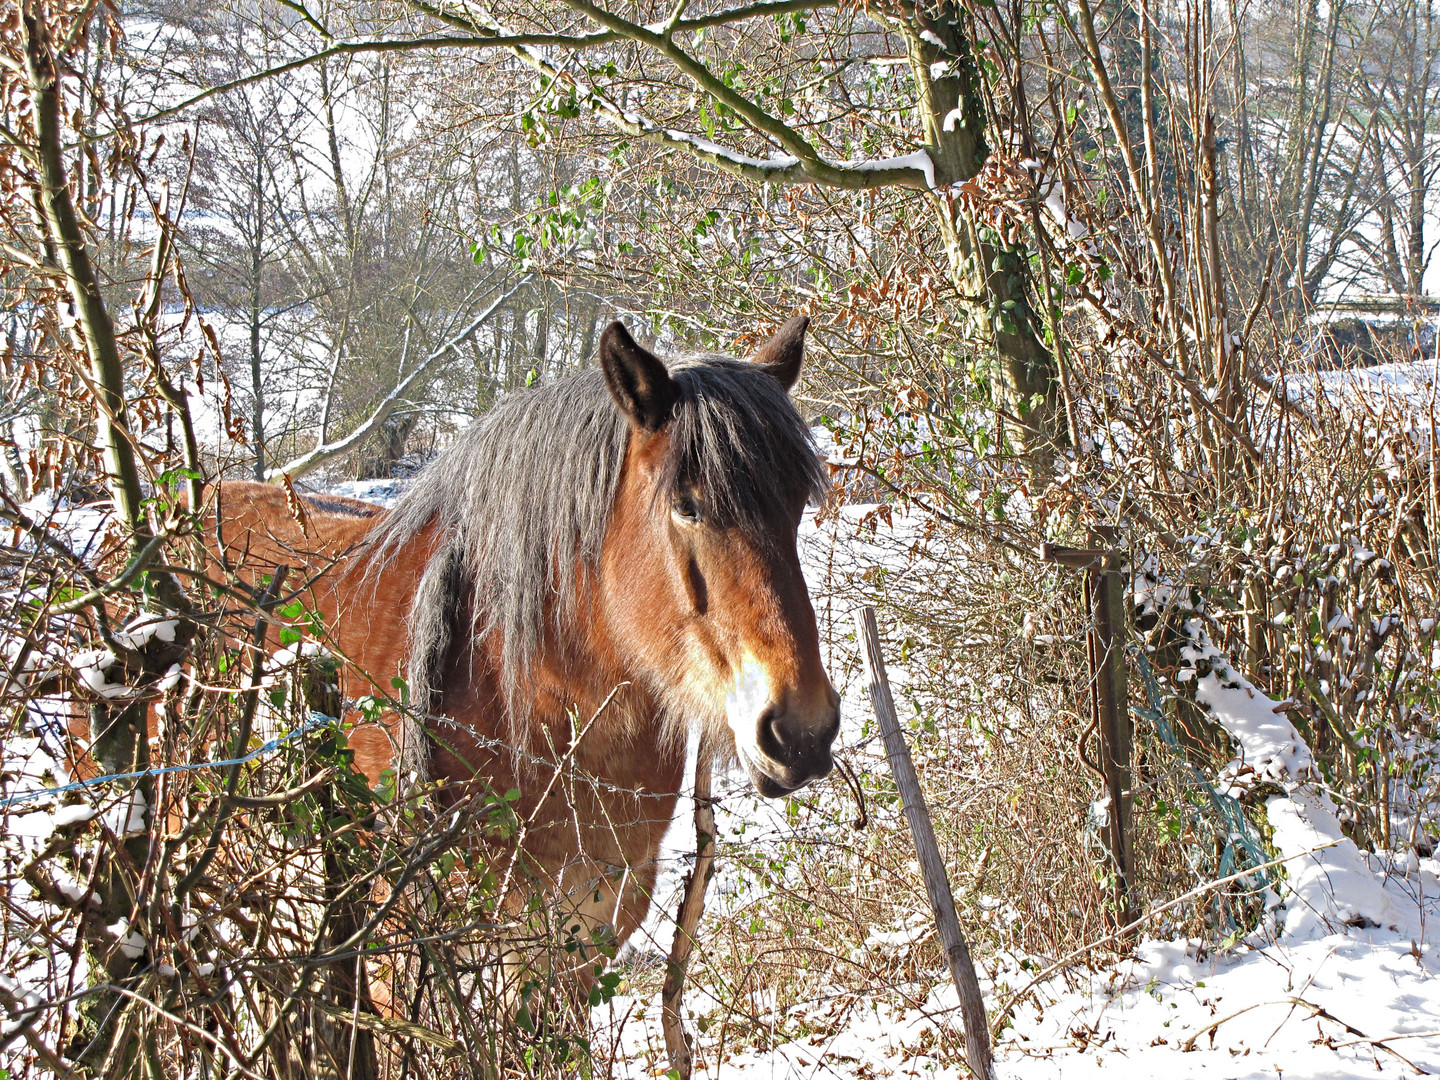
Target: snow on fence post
(1105,599)
(937,883)
(687,920)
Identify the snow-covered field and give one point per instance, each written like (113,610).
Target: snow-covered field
(1342,981)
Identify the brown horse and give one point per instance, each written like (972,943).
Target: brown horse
(597,568)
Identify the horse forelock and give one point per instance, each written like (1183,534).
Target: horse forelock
(523,499)
(737,436)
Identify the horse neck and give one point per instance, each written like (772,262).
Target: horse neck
(579,686)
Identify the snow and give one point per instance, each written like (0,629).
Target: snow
(776,162)
(42,658)
(919,160)
(90,667)
(1250,1013)
(73,815)
(81,528)
(380,492)
(170,679)
(1333,887)
(1055,203)
(916,159)
(132,942)
(141,631)
(1173,1010)
(1270,747)
(1410,385)
(126,816)
(302,650)
(1328,882)
(916,929)
(1339,981)
(1273,1006)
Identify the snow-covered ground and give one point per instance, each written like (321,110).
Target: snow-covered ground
(1397,391)
(1352,1002)
(1342,981)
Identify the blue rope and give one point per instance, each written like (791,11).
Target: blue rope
(317,719)
(1242,845)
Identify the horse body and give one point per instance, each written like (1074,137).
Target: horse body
(593,571)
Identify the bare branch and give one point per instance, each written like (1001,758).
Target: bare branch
(312,460)
(801,165)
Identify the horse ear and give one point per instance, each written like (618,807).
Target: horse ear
(783,354)
(638,382)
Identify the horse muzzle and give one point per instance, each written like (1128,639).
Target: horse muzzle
(791,750)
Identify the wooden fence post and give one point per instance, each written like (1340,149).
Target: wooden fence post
(1110,698)
(692,905)
(932,867)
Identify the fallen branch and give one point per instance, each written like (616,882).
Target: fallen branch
(1318,1010)
(1189,1044)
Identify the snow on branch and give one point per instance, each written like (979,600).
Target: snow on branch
(913,170)
(800,163)
(313,459)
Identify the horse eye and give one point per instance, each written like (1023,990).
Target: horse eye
(686,507)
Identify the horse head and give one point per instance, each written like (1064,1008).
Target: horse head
(699,575)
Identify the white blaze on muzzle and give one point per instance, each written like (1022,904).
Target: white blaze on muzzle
(745,701)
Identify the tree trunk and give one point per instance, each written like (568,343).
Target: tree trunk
(107,1028)
(257,385)
(953,107)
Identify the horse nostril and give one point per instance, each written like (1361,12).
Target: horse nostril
(769,737)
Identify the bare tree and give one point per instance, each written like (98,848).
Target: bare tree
(1400,91)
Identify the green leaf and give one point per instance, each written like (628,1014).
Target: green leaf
(172,478)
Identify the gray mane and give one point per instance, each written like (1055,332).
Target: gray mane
(522,502)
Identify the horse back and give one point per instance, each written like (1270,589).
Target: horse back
(358,603)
